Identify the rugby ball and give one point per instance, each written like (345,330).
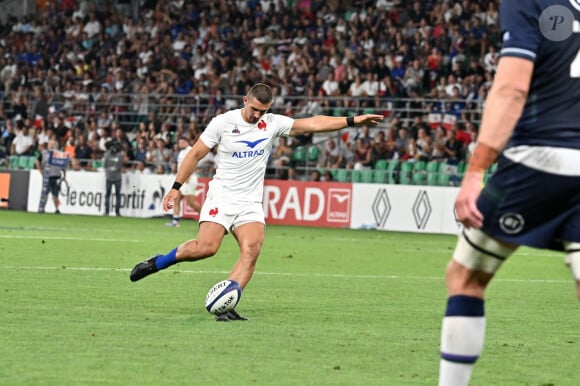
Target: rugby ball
(223,297)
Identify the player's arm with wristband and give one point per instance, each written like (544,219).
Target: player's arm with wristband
(186,169)
(323,123)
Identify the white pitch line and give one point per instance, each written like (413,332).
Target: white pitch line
(68,238)
(322,275)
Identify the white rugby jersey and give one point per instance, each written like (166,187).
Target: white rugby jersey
(180,157)
(243,150)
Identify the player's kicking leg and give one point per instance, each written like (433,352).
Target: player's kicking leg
(208,241)
(250,237)
(475,260)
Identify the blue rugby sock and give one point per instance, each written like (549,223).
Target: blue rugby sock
(165,261)
(462,337)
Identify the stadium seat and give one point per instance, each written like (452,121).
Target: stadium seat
(461,167)
(381,164)
(356,176)
(342,175)
(405,173)
(13,162)
(380,176)
(433,179)
(299,155)
(432,169)
(419,166)
(312,154)
(31,163)
(432,166)
(25,162)
(443,179)
(392,171)
(338,112)
(419,178)
(367,176)
(97,164)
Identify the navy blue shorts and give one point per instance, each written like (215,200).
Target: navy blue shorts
(53,186)
(525,206)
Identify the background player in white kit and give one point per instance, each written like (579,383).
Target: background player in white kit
(244,139)
(188,191)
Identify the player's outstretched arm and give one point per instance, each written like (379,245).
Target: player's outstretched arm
(323,123)
(186,169)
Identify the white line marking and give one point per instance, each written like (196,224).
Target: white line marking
(68,238)
(323,275)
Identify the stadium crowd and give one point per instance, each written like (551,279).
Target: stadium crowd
(87,73)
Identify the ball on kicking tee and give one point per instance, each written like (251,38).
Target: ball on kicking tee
(223,297)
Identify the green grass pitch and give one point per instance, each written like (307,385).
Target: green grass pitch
(326,307)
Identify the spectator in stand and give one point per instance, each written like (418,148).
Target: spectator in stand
(83,152)
(140,150)
(362,155)
(490,59)
(330,86)
(315,175)
(44,133)
(452,148)
(413,79)
(327,176)
(364,134)
(380,149)
(142,168)
(282,153)
(312,105)
(410,151)
(23,142)
(402,140)
(160,155)
(333,156)
(356,88)
(8,136)
(438,144)
(104,138)
(160,169)
(423,145)
(399,70)
(141,53)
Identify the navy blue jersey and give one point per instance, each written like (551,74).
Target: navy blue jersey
(546,32)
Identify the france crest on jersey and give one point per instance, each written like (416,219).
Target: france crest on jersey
(243,150)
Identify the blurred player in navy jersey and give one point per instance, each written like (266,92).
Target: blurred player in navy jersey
(531,127)
(244,139)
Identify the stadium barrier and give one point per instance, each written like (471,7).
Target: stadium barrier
(14,189)
(408,208)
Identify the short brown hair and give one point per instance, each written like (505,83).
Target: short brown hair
(262,92)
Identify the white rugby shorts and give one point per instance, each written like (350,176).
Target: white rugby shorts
(189,188)
(231,214)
